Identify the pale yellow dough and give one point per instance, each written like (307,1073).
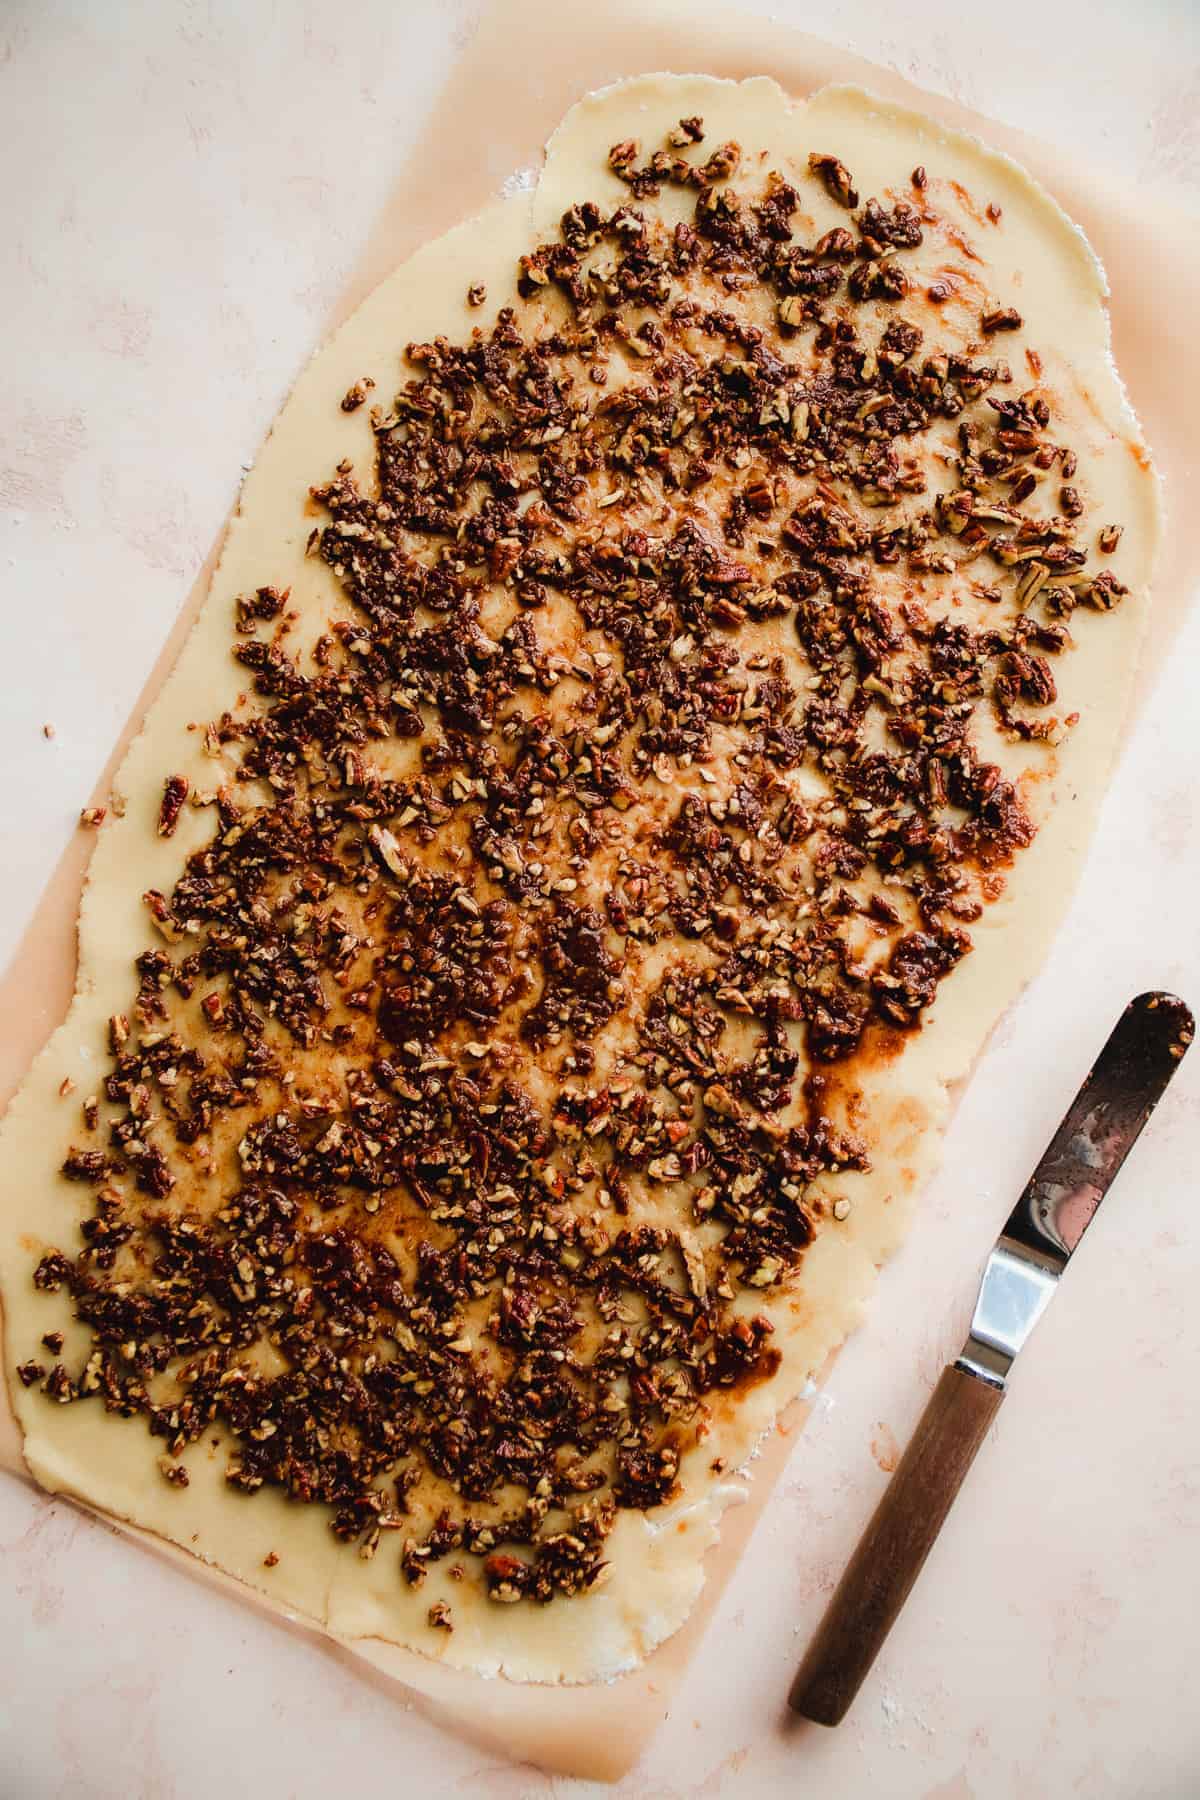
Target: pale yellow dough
(1035,259)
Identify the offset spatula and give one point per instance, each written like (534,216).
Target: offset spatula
(1103,1124)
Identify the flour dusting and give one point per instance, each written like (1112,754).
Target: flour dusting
(521,181)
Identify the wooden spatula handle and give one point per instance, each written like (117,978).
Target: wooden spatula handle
(893,1548)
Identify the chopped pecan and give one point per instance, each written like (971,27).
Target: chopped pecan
(175,791)
(839,184)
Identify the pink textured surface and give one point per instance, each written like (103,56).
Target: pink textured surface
(188,189)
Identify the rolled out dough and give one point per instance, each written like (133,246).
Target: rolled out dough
(1035,259)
